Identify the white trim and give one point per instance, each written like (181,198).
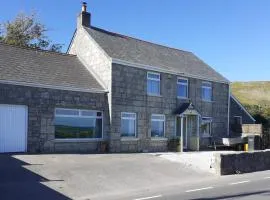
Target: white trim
(129,118)
(38,85)
(159,120)
(185,84)
(26,128)
(161,70)
(242,107)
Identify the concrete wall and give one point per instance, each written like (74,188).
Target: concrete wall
(129,94)
(41,104)
(243,162)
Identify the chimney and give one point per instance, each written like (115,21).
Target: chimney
(84,18)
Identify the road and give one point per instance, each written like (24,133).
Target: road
(245,187)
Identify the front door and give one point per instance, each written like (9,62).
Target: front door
(192,132)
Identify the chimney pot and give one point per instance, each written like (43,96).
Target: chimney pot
(84,18)
(84,7)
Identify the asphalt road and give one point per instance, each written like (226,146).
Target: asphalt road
(245,187)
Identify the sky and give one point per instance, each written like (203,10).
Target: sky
(231,36)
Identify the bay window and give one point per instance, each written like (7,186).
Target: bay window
(77,124)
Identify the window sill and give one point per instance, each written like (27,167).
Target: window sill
(79,140)
(184,98)
(154,95)
(129,139)
(206,101)
(206,136)
(159,139)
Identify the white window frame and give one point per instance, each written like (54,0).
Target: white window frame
(211,122)
(81,116)
(154,79)
(237,116)
(130,118)
(185,84)
(207,87)
(159,120)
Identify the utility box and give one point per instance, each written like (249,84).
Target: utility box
(251,142)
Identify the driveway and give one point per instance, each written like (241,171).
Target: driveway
(84,176)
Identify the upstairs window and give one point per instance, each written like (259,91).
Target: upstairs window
(128,124)
(182,88)
(157,125)
(77,124)
(153,83)
(206,91)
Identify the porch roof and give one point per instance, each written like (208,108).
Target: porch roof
(182,108)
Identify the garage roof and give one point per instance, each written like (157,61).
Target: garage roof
(31,67)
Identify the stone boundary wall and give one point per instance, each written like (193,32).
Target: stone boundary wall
(242,162)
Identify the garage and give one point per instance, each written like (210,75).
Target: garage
(13,128)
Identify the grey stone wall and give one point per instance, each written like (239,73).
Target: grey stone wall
(41,104)
(242,162)
(129,94)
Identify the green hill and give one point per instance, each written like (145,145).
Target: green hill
(255,96)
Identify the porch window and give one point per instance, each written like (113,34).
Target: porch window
(153,83)
(182,88)
(157,125)
(77,124)
(207,91)
(206,126)
(128,124)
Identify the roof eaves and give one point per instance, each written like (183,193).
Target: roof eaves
(38,85)
(160,69)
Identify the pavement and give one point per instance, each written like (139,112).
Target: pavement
(120,176)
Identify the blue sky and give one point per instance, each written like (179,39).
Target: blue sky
(231,36)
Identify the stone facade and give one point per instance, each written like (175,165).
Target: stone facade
(41,104)
(129,94)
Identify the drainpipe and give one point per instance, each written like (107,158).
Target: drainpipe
(229,102)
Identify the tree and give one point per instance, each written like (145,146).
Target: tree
(27,31)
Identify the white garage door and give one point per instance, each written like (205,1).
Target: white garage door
(13,128)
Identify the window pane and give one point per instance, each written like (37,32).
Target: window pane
(129,115)
(181,90)
(77,127)
(153,87)
(157,129)
(88,113)
(207,94)
(128,127)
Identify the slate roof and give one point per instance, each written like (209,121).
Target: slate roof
(146,53)
(35,67)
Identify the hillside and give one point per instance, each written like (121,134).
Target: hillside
(252,93)
(255,96)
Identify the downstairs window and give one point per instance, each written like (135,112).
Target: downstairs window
(77,124)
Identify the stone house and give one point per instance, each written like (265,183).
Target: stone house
(109,88)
